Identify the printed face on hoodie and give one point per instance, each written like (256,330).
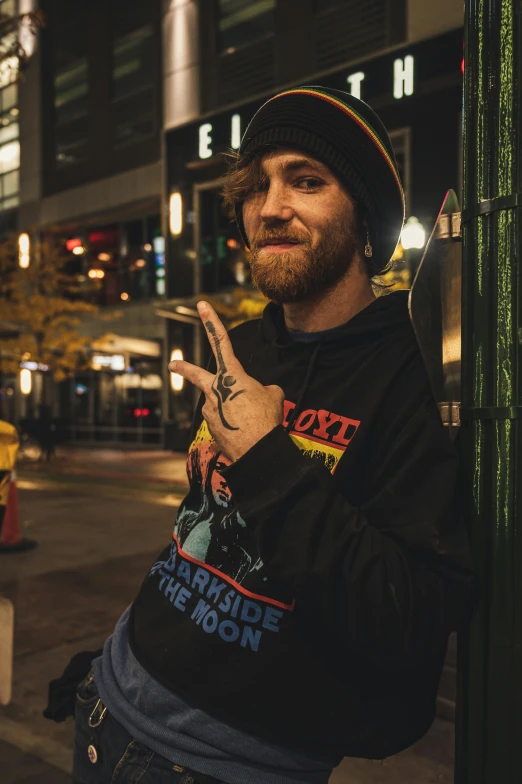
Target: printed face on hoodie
(302,227)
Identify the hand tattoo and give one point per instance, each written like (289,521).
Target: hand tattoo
(223,383)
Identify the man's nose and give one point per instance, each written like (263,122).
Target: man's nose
(276,205)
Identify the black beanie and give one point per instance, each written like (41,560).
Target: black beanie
(344,133)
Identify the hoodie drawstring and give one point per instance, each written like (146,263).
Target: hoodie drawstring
(304,387)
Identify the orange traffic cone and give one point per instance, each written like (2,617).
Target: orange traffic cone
(11,539)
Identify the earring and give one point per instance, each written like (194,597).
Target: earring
(368,250)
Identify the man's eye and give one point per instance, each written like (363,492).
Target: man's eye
(309,183)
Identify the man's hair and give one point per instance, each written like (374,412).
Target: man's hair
(245,174)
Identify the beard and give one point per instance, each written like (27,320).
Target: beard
(304,272)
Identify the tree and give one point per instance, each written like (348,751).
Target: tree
(40,311)
(243,305)
(17,34)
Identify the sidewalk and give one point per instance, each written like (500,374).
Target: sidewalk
(142,467)
(21,768)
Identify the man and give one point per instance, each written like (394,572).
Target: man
(318,563)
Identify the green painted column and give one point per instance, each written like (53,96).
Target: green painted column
(489,701)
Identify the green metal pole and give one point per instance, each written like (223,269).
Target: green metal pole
(489,701)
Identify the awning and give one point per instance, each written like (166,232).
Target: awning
(230,306)
(117,344)
(181,310)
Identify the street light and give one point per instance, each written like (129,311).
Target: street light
(176,381)
(413,234)
(26,381)
(24,248)
(175,213)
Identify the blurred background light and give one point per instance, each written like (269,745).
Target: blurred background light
(175,213)
(24,247)
(26,381)
(413,234)
(176,381)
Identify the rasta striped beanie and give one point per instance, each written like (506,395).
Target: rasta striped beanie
(344,133)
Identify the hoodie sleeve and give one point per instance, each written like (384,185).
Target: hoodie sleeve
(391,578)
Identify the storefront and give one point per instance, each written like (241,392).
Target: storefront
(119,400)
(118,264)
(416,89)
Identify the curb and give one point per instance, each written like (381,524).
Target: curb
(114,480)
(117,475)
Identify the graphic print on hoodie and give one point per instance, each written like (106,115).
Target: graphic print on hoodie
(209,529)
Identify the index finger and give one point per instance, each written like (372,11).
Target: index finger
(196,375)
(217,335)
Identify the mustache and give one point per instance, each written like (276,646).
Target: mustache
(279,236)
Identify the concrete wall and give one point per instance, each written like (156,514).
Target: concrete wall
(180,63)
(427,18)
(136,320)
(107,194)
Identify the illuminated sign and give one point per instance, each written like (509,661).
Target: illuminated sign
(382,82)
(354,81)
(111,361)
(235,133)
(403,85)
(205,140)
(30,365)
(403,73)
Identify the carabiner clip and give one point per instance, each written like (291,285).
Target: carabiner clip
(101,716)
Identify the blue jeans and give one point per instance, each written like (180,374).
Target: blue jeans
(105,753)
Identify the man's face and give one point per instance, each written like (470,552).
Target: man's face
(301,226)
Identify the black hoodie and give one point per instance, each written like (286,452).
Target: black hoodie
(310,588)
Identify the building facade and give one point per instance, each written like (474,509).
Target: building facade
(123,116)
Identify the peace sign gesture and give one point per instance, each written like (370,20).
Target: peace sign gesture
(238,410)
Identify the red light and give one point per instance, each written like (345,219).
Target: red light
(103,237)
(74,243)
(145,412)
(462,65)
(137,412)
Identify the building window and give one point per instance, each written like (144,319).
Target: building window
(9,128)
(118,263)
(246,46)
(71,90)
(224,259)
(9,148)
(242,22)
(133,77)
(133,72)
(348,29)
(101,67)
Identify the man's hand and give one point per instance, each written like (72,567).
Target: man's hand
(238,410)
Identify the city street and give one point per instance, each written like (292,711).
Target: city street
(96,540)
